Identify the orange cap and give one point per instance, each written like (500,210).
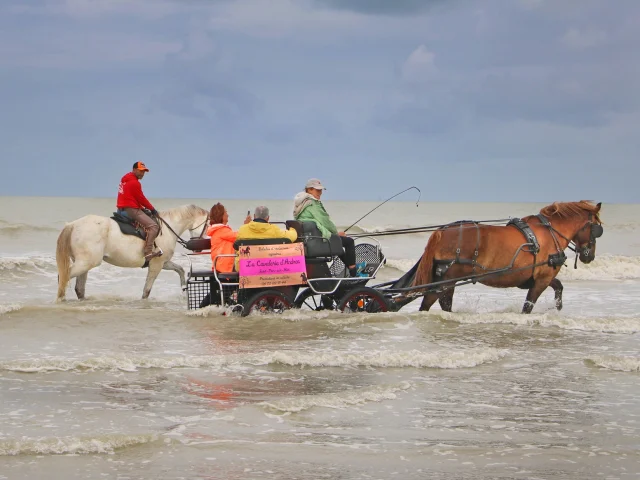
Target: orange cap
(140,166)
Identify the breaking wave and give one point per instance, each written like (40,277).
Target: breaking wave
(18,228)
(73,445)
(9,308)
(606,267)
(29,264)
(337,400)
(381,358)
(403,265)
(588,324)
(617,363)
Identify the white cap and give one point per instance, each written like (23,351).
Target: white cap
(314,183)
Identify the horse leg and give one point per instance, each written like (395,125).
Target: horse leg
(79,271)
(169,265)
(152,273)
(533,294)
(81,283)
(446,299)
(557,287)
(428,300)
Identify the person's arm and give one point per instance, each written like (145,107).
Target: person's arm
(291,234)
(324,222)
(136,191)
(325,233)
(315,213)
(228,235)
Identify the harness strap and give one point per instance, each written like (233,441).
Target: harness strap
(557,259)
(529,234)
(473,261)
(530,238)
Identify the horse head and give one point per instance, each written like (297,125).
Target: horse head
(199,220)
(585,239)
(585,225)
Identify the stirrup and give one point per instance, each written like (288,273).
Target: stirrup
(151,255)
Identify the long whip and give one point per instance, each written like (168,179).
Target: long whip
(390,198)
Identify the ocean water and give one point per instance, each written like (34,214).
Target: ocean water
(117,387)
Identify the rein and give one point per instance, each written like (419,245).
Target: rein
(425,229)
(178,237)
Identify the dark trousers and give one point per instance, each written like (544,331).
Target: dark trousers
(150,226)
(349,257)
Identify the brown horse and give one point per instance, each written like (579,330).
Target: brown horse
(528,255)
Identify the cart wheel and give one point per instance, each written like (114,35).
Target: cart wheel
(307,299)
(363,299)
(267,301)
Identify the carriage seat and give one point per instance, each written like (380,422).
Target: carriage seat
(259,241)
(315,245)
(199,244)
(226,277)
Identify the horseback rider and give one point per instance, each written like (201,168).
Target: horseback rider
(131,202)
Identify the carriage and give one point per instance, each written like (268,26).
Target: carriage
(526,253)
(324,284)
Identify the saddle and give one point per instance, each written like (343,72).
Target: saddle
(128,226)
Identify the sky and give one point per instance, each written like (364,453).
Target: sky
(468,100)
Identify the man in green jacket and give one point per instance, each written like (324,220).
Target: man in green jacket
(307,207)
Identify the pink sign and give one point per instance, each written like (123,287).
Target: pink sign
(272,265)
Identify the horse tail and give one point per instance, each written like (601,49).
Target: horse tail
(63,259)
(424,275)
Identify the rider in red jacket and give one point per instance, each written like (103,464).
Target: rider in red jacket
(131,201)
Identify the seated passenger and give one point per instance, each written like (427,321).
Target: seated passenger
(222,238)
(261,228)
(308,207)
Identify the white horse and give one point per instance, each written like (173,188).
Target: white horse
(91,239)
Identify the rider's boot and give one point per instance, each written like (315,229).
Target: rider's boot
(152,233)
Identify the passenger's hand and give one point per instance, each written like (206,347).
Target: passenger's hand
(247,219)
(342,234)
(154,212)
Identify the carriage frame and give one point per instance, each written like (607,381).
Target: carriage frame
(328,285)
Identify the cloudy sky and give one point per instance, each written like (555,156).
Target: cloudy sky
(470,100)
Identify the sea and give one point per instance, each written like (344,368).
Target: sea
(118,387)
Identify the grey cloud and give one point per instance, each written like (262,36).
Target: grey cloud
(542,66)
(384,7)
(201,86)
(431,121)
(580,96)
(151,9)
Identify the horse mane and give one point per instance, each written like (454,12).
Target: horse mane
(184,211)
(571,209)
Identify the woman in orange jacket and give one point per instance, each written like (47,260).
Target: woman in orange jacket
(222,238)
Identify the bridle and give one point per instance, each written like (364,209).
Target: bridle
(595,232)
(204,227)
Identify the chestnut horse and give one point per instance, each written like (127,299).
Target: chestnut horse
(503,256)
